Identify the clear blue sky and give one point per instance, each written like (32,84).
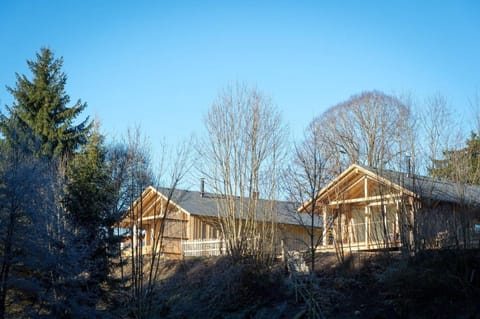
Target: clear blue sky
(160,64)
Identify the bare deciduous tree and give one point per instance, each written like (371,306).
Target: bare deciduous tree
(304,180)
(366,129)
(439,129)
(241,158)
(172,167)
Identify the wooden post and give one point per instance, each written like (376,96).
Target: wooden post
(367,211)
(365,187)
(134,237)
(397,224)
(324,231)
(352,230)
(367,244)
(386,240)
(152,235)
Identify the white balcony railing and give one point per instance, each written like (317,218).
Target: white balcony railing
(204,247)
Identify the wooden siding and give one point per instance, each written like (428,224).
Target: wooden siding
(447,225)
(364,210)
(204,228)
(369,212)
(178,227)
(147,217)
(295,237)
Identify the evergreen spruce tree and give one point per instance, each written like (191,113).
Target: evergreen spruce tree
(461,165)
(40,110)
(89,202)
(44,250)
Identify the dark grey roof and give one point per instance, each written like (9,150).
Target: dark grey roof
(432,188)
(196,204)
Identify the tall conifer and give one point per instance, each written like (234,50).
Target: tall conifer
(89,200)
(40,110)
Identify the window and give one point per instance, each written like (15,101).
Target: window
(476,228)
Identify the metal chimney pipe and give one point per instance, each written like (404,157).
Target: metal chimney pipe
(202,187)
(409,166)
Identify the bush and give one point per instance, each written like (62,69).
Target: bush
(433,280)
(221,288)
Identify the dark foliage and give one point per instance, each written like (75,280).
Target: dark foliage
(435,283)
(206,288)
(40,110)
(461,165)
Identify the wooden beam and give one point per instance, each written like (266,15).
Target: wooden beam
(354,184)
(150,206)
(384,201)
(158,218)
(363,199)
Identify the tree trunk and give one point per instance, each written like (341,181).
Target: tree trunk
(6,263)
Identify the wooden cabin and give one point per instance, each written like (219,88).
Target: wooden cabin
(191,224)
(364,208)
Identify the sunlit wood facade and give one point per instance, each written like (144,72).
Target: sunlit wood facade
(189,216)
(364,208)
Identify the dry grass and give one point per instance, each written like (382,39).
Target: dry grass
(440,284)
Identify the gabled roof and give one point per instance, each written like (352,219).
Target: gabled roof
(350,185)
(193,203)
(411,184)
(436,189)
